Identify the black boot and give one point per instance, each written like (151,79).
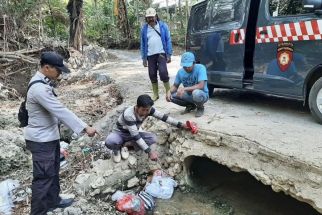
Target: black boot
(189,108)
(200,111)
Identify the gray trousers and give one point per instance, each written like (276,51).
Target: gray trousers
(116,140)
(45,184)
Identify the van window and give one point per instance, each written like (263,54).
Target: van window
(286,7)
(223,11)
(200,21)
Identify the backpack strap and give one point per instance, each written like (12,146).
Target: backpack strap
(157,31)
(32,83)
(35,82)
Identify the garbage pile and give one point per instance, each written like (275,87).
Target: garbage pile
(6,195)
(159,185)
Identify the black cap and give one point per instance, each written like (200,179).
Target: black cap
(54,59)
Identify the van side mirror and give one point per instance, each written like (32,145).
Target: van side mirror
(314,6)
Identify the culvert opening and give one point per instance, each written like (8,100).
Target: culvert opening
(240,190)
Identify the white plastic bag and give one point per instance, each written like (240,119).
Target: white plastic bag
(63,154)
(6,189)
(117,195)
(161,187)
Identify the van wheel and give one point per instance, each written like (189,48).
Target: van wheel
(315,100)
(211,90)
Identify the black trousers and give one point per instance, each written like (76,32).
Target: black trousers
(45,184)
(158,62)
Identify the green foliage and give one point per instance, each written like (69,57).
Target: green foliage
(56,19)
(100,24)
(95,19)
(17,8)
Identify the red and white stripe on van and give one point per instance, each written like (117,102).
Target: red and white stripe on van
(295,31)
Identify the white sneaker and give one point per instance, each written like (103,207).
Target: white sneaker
(116,156)
(125,153)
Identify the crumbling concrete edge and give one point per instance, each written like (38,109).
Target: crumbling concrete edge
(296,178)
(299,179)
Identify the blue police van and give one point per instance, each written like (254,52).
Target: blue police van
(267,46)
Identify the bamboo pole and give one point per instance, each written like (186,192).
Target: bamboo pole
(137,12)
(4,33)
(167,4)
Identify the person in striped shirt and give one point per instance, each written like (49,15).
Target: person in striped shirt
(127,130)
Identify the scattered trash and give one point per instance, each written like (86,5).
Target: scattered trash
(117,195)
(86,151)
(63,154)
(6,189)
(64,145)
(63,163)
(148,200)
(160,172)
(161,186)
(74,136)
(131,204)
(129,201)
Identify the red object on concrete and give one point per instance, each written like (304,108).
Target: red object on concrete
(193,127)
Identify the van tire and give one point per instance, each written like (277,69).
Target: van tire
(314,92)
(211,89)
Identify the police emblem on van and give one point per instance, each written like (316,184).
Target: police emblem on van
(284,55)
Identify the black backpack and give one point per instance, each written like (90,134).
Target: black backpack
(23,113)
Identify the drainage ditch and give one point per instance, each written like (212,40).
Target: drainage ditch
(218,190)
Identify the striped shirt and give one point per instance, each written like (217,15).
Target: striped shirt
(129,122)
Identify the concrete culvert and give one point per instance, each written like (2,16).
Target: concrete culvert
(240,190)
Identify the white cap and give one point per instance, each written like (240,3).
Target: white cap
(150,12)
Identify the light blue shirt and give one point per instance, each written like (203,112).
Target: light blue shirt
(199,73)
(154,40)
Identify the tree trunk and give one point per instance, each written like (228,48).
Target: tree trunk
(167,4)
(187,11)
(187,17)
(52,19)
(123,20)
(180,15)
(137,12)
(74,8)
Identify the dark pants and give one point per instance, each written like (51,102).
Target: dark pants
(45,184)
(158,62)
(116,140)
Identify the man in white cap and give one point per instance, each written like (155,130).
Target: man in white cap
(156,50)
(194,92)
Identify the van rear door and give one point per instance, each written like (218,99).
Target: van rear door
(216,34)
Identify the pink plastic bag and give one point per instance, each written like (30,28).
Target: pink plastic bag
(131,204)
(159,172)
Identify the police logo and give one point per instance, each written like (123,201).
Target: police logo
(284,55)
